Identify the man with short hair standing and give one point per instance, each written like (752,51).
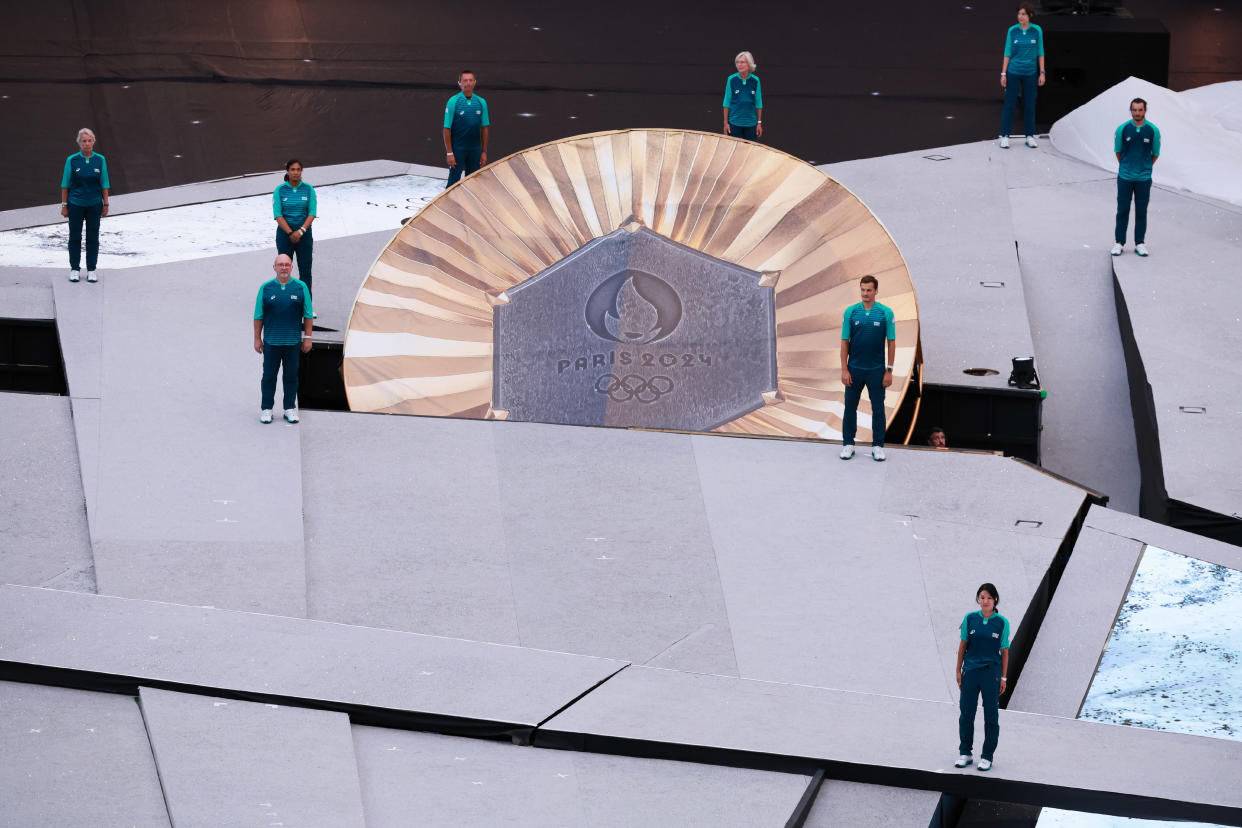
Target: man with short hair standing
(465,129)
(866,327)
(1137,146)
(282,332)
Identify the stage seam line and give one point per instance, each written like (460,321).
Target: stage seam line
(711,537)
(146,727)
(574,701)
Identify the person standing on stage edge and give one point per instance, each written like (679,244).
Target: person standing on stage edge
(1137,146)
(743,100)
(1022,70)
(282,332)
(466,127)
(294,207)
(982,670)
(865,329)
(84,190)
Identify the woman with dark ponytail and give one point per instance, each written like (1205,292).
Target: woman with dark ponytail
(294,208)
(982,670)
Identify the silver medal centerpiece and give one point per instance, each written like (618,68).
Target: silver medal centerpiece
(633,329)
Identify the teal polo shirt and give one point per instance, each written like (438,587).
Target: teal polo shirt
(1138,146)
(1024,48)
(743,97)
(283,309)
(85,179)
(294,203)
(985,638)
(466,117)
(867,332)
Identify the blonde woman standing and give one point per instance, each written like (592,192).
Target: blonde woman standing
(743,100)
(84,190)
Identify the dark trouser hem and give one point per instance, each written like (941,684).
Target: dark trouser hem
(303,252)
(467,162)
(873,381)
(91,216)
(983,682)
(1140,191)
(282,358)
(1026,84)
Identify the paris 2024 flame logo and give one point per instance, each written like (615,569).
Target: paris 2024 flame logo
(633,308)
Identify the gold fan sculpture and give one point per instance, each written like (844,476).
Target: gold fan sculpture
(645,277)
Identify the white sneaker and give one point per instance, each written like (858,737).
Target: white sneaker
(1140,249)
(985,764)
(1004,142)
(265,416)
(847,452)
(291,415)
(75,275)
(1116,251)
(1031,142)
(91,277)
(877,452)
(963,761)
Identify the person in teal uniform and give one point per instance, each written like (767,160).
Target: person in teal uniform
(982,672)
(1022,70)
(283,321)
(294,207)
(865,329)
(1136,144)
(466,127)
(743,100)
(84,189)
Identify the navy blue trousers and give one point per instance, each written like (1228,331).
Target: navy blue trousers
(1140,191)
(750,133)
(1026,84)
(91,216)
(873,380)
(303,251)
(975,683)
(467,159)
(282,358)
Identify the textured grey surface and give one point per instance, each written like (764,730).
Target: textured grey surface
(597,339)
(43,530)
(1063,234)
(1192,271)
(427,779)
(195,501)
(875,806)
(951,220)
(228,762)
(73,757)
(26,302)
(85,411)
(328,663)
(916,738)
(581,540)
(1166,537)
(1074,633)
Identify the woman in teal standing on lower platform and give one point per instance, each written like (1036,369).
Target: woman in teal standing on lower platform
(743,100)
(294,208)
(84,188)
(982,671)
(1022,70)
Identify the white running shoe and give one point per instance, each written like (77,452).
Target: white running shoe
(985,764)
(1004,142)
(91,277)
(1116,251)
(265,416)
(963,761)
(291,415)
(877,452)
(847,452)
(75,275)
(1031,142)
(1140,249)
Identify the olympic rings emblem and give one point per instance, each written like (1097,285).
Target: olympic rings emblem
(633,387)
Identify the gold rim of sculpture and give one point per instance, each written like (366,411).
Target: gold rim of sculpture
(420,334)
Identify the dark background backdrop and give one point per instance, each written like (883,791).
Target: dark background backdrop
(179,91)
